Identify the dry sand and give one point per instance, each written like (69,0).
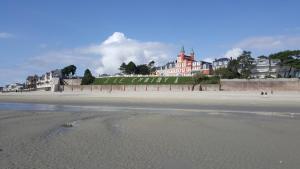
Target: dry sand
(150,130)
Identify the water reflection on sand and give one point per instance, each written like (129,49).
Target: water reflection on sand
(34,136)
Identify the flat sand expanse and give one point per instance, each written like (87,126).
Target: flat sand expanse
(240,101)
(150,130)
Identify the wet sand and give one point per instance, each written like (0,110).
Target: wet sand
(153,132)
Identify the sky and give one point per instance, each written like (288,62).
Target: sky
(38,36)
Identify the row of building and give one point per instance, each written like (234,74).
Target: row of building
(186,65)
(48,81)
(263,67)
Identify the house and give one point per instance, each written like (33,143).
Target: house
(220,63)
(184,65)
(49,80)
(265,67)
(1,89)
(202,67)
(14,87)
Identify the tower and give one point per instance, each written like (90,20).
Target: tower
(181,54)
(192,54)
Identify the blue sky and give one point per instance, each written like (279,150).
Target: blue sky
(37,36)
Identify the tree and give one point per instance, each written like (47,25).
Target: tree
(123,68)
(151,64)
(152,69)
(88,78)
(230,72)
(31,81)
(142,70)
(225,73)
(200,78)
(246,64)
(130,68)
(69,70)
(288,58)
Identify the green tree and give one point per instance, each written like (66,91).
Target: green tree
(123,68)
(151,67)
(230,72)
(142,70)
(69,70)
(130,68)
(88,78)
(225,73)
(246,64)
(288,58)
(151,64)
(198,78)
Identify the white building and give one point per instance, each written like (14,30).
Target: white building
(265,67)
(50,80)
(14,87)
(220,63)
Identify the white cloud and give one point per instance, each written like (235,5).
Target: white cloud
(105,57)
(270,43)
(233,53)
(118,48)
(5,35)
(208,59)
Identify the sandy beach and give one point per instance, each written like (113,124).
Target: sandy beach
(150,130)
(278,102)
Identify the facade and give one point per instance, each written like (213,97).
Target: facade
(265,67)
(47,80)
(220,63)
(185,65)
(14,87)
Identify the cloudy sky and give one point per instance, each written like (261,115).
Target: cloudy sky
(37,36)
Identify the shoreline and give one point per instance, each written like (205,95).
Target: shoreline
(235,101)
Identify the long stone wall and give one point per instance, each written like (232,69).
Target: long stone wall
(72,81)
(260,84)
(226,85)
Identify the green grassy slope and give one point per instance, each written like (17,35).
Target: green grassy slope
(150,80)
(143,80)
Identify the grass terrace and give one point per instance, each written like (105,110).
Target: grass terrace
(150,80)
